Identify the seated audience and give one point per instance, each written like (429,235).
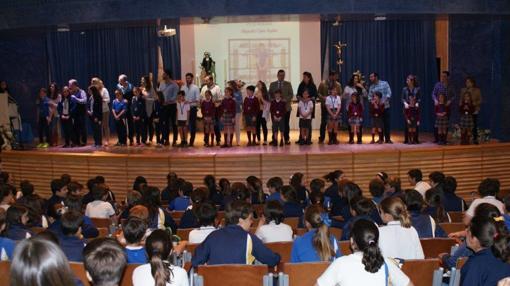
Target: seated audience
(99,208)
(296,181)
(361,208)
(59,192)
(271,227)
(70,241)
(317,244)
(317,186)
(254,185)
(367,265)
(189,218)
(206,215)
(170,192)
(132,198)
(424,224)
(435,206)
(291,206)
(398,239)
(104,260)
(6,245)
(182,202)
(376,189)
(74,203)
(134,230)
(488,189)
(158,217)
(436,178)
(274,186)
(415,178)
(17,218)
(75,188)
(452,202)
(6,198)
(229,245)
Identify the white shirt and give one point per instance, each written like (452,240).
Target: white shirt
(182,111)
(334,102)
(422,187)
(198,235)
(273,232)
(217,96)
(192,94)
(99,209)
(350,271)
(305,107)
(105,95)
(396,241)
(142,276)
(488,199)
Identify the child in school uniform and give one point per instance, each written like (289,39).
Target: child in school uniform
(355,114)
(466,109)
(158,103)
(227,111)
(278,110)
(134,230)
(183,109)
(274,186)
(183,201)
(360,208)
(251,108)
(65,108)
(96,115)
(412,115)
(305,109)
(70,239)
(206,215)
(139,113)
(17,219)
(99,208)
(43,106)
(333,106)
(208,113)
(442,113)
(271,227)
(398,239)
(425,225)
(6,245)
(119,107)
(377,112)
(265,113)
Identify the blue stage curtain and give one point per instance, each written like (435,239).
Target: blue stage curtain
(171,52)
(393,49)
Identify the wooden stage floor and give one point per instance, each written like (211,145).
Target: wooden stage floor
(120,165)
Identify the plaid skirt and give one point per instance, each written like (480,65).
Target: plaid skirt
(441,122)
(413,124)
(466,121)
(249,122)
(227,120)
(337,120)
(377,122)
(355,121)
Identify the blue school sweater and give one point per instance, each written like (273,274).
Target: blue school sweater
(483,269)
(88,229)
(7,245)
(303,251)
(423,225)
(72,247)
(136,255)
(18,232)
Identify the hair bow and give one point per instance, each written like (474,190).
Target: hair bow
(499,218)
(325,219)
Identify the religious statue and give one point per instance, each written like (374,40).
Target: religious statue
(339,60)
(208,67)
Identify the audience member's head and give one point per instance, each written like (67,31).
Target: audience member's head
(73,202)
(185,189)
(99,192)
(487,210)
(317,198)
(206,214)
(394,209)
(133,197)
(414,201)
(414,176)
(436,178)
(273,211)
(365,238)
(274,184)
(350,190)
(17,214)
(159,246)
(104,260)
(376,188)
(75,188)
(140,212)
(49,236)
(71,222)
(240,213)
(361,206)
(489,187)
(450,185)
(26,188)
(317,185)
(58,188)
(317,218)
(134,230)
(334,177)
(239,191)
(66,178)
(137,184)
(489,233)
(289,194)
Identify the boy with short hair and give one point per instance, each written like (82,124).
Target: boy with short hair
(70,241)
(206,215)
(274,185)
(134,231)
(182,202)
(99,208)
(104,261)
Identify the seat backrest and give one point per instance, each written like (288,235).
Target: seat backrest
(432,247)
(299,231)
(80,273)
(183,233)
(336,232)
(452,227)
(127,278)
(258,208)
(103,231)
(101,222)
(304,274)
(176,214)
(293,222)
(456,216)
(37,229)
(232,275)
(5,272)
(345,247)
(282,248)
(420,271)
(190,247)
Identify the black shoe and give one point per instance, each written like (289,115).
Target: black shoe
(287,142)
(389,142)
(281,143)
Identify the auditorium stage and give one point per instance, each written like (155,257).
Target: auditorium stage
(120,165)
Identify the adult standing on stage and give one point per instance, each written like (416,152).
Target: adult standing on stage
(79,97)
(149,95)
(355,85)
(324,87)
(169,88)
(127,92)
(105,95)
(411,89)
(476,100)
(443,87)
(307,84)
(384,88)
(192,95)
(217,97)
(288,95)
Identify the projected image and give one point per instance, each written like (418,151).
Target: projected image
(251,60)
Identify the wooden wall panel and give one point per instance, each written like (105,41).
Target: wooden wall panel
(367,165)
(192,168)
(237,168)
(11,164)
(114,169)
(281,165)
(153,168)
(38,169)
(321,164)
(496,164)
(73,164)
(466,167)
(426,160)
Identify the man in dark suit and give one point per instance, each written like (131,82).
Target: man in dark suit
(287,95)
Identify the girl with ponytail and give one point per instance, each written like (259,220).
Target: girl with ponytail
(159,271)
(398,239)
(317,244)
(366,266)
(490,242)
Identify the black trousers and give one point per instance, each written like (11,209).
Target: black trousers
(67,129)
(43,130)
(192,124)
(79,126)
(169,116)
(120,126)
(157,131)
(261,124)
(130,127)
(97,132)
(387,125)
(324,123)
(475,128)
(140,130)
(149,126)
(286,126)
(217,133)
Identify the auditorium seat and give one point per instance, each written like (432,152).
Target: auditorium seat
(456,217)
(220,218)
(37,229)
(103,231)
(176,214)
(259,209)
(452,227)
(232,274)
(299,231)
(282,248)
(304,274)
(420,271)
(336,232)
(293,222)
(127,279)
(101,222)
(345,247)
(183,233)
(190,247)
(80,273)
(5,272)
(432,247)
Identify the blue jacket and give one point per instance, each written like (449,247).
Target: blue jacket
(189,220)
(18,232)
(72,247)
(179,203)
(292,209)
(228,245)
(483,269)
(88,229)
(44,107)
(136,256)
(303,250)
(346,230)
(118,106)
(138,107)
(8,246)
(452,203)
(421,222)
(72,107)
(276,196)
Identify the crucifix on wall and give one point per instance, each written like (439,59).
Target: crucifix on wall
(339,61)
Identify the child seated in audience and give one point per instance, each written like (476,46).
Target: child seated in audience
(317,244)
(134,230)
(110,196)
(376,189)
(415,178)
(488,189)
(424,224)
(74,203)
(159,218)
(254,185)
(75,188)
(182,202)
(40,262)
(159,271)
(317,198)
(274,186)
(434,207)
(206,216)
(17,218)
(271,227)
(71,242)
(132,198)
(489,240)
(6,245)
(360,208)
(59,192)
(228,245)
(189,218)
(291,207)
(367,265)
(398,239)
(104,261)
(296,181)
(452,202)
(6,198)
(99,208)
